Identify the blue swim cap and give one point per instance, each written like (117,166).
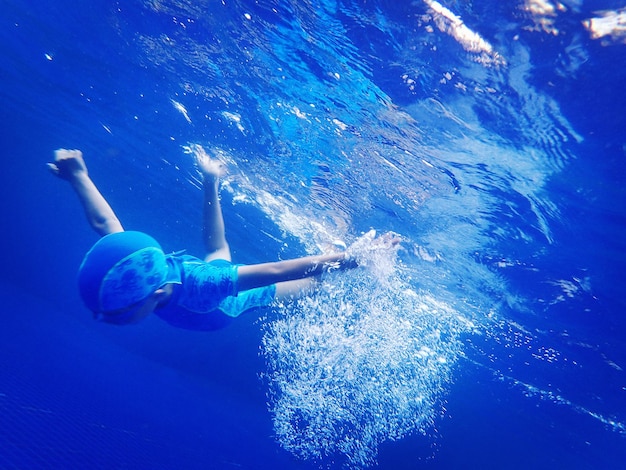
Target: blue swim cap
(120,270)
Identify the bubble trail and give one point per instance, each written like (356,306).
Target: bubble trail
(363,361)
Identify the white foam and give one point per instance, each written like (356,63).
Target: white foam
(363,361)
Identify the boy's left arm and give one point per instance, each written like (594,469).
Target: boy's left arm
(70,166)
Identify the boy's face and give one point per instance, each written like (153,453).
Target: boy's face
(145,309)
(136,313)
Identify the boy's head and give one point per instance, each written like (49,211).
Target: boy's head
(119,272)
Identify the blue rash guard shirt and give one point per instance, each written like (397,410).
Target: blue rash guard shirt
(206,295)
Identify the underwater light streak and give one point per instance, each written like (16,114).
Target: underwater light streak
(471,41)
(609,23)
(548,395)
(179,107)
(543,13)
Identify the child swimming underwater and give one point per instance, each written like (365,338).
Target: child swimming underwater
(126,275)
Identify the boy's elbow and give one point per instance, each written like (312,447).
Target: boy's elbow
(105,226)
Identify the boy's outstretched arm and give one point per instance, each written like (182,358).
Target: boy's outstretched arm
(70,166)
(259,275)
(283,273)
(213,221)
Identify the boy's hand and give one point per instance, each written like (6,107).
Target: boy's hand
(209,167)
(68,164)
(363,249)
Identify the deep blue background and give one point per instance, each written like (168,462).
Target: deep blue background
(75,394)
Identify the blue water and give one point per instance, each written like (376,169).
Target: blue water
(490,136)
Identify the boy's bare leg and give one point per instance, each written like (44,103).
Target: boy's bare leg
(213,221)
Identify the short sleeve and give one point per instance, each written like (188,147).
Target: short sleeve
(205,285)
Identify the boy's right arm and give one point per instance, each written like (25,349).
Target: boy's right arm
(259,275)
(70,166)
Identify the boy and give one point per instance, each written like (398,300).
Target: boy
(126,275)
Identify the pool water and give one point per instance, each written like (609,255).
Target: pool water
(490,137)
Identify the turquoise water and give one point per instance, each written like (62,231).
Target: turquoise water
(489,137)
